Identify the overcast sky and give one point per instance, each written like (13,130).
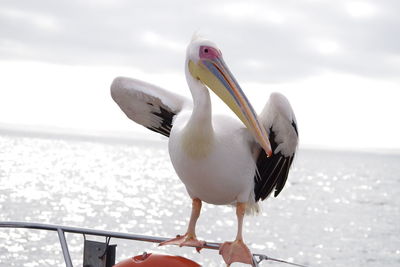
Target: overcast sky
(338,62)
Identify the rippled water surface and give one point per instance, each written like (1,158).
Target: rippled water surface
(338,208)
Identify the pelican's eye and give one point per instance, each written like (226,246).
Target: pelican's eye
(209,52)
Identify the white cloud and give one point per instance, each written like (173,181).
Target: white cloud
(254,64)
(156,40)
(361,9)
(43,22)
(275,32)
(250,11)
(325,46)
(15,47)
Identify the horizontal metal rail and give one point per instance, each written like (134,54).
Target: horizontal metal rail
(257,258)
(78,230)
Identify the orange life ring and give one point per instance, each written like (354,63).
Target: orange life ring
(153,260)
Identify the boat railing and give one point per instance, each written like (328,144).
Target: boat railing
(61,230)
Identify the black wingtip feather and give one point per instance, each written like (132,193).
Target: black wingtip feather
(282,181)
(166,117)
(272,171)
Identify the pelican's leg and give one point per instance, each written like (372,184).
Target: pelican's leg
(237,251)
(189,239)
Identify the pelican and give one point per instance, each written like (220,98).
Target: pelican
(221,159)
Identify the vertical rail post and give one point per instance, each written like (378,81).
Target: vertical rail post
(64,247)
(255,261)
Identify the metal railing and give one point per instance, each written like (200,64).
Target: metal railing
(61,230)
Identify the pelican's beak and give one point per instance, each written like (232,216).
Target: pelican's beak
(214,73)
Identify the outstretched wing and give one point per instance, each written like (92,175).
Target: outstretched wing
(147,104)
(280,122)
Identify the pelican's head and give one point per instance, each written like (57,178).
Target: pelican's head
(205,63)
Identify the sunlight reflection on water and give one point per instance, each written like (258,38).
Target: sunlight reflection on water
(338,209)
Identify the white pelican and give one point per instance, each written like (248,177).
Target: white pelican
(220,159)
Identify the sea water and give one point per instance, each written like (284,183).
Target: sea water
(337,208)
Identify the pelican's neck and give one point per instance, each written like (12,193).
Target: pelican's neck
(201,114)
(198,133)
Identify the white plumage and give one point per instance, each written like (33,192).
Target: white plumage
(225,174)
(278,115)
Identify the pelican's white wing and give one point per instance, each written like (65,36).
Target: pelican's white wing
(147,104)
(280,122)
